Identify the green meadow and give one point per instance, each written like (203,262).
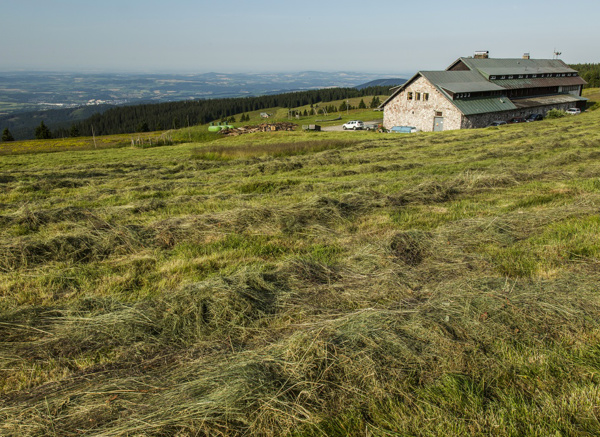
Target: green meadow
(305,284)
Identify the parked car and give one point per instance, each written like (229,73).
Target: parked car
(496,123)
(573,111)
(516,120)
(354,125)
(534,117)
(403,130)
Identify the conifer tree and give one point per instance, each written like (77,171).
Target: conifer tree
(6,135)
(375,102)
(42,132)
(362,105)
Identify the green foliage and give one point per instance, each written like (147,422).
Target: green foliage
(362,105)
(590,73)
(555,113)
(6,135)
(42,132)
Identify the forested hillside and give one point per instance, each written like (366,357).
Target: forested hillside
(22,125)
(175,115)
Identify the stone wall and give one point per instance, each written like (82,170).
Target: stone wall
(420,113)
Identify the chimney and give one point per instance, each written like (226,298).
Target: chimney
(526,56)
(482,54)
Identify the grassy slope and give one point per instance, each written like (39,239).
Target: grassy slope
(430,284)
(198,134)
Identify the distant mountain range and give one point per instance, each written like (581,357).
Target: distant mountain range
(28,91)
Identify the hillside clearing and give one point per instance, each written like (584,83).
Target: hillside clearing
(305,284)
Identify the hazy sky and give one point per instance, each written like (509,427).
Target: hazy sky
(386,36)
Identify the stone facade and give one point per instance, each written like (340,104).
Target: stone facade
(420,113)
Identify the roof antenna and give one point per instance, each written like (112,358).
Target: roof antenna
(556,54)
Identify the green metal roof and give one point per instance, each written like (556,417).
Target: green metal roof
(503,67)
(539,82)
(483,105)
(460,81)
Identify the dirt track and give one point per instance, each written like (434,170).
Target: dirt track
(339,127)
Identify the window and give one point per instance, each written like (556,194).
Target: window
(492,77)
(438,113)
(502,77)
(520,76)
(410,95)
(534,75)
(418,96)
(425,96)
(510,77)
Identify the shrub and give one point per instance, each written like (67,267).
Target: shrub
(555,113)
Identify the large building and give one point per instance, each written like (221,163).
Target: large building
(473,92)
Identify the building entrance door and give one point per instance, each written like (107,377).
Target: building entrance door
(438,124)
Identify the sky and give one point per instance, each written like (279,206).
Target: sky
(388,37)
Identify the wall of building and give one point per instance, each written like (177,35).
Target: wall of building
(420,113)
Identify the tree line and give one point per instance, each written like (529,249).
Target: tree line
(590,73)
(175,115)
